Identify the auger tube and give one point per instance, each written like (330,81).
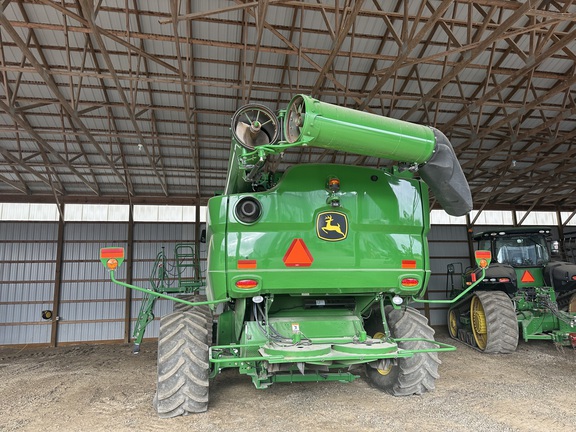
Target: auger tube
(319,124)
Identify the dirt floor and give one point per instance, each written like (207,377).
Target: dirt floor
(106,388)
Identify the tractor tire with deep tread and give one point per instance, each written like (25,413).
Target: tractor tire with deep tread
(411,375)
(501,332)
(183,364)
(205,309)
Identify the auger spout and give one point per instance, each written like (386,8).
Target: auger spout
(310,122)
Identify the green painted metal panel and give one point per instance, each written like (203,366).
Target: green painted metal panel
(337,128)
(387,221)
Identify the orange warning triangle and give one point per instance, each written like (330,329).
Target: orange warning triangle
(527,277)
(298,255)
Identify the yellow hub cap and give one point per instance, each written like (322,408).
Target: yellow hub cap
(452,324)
(389,366)
(385,371)
(479,326)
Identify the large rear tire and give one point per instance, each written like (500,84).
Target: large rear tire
(183,364)
(494,323)
(412,375)
(204,309)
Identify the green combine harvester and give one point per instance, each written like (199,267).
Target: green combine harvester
(522,295)
(310,271)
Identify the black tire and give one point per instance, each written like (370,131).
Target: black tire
(183,365)
(412,375)
(496,332)
(181,307)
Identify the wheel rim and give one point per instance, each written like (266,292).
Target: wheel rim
(387,370)
(478,319)
(452,324)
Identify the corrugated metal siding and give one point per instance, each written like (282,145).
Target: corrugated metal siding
(28,262)
(447,244)
(91,308)
(149,238)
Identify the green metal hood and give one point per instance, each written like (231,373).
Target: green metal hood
(301,244)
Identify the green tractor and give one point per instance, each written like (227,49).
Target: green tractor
(310,271)
(519,296)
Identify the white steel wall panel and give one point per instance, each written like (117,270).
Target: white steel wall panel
(93,309)
(87,296)
(149,238)
(27,269)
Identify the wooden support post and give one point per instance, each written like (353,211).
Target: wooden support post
(57,278)
(197,234)
(469,237)
(129,277)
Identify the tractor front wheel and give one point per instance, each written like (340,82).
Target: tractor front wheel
(411,375)
(183,364)
(494,323)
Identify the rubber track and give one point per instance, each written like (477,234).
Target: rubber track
(418,373)
(183,366)
(501,322)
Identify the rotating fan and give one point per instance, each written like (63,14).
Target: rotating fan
(254,125)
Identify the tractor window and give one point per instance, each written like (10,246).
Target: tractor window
(522,251)
(485,244)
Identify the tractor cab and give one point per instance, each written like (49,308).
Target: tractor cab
(525,248)
(523,257)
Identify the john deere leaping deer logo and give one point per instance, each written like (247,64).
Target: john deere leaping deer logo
(332,226)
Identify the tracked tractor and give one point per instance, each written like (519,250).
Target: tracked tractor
(310,270)
(520,295)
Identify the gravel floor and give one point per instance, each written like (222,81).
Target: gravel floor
(106,388)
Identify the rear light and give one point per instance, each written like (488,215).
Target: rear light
(246,264)
(409,282)
(333,184)
(483,258)
(246,283)
(409,264)
(574,277)
(500,280)
(112,257)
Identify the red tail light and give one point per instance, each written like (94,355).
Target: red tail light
(246,283)
(409,282)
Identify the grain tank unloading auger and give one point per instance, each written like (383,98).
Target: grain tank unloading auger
(309,271)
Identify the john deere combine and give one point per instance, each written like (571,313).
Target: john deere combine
(310,270)
(518,297)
